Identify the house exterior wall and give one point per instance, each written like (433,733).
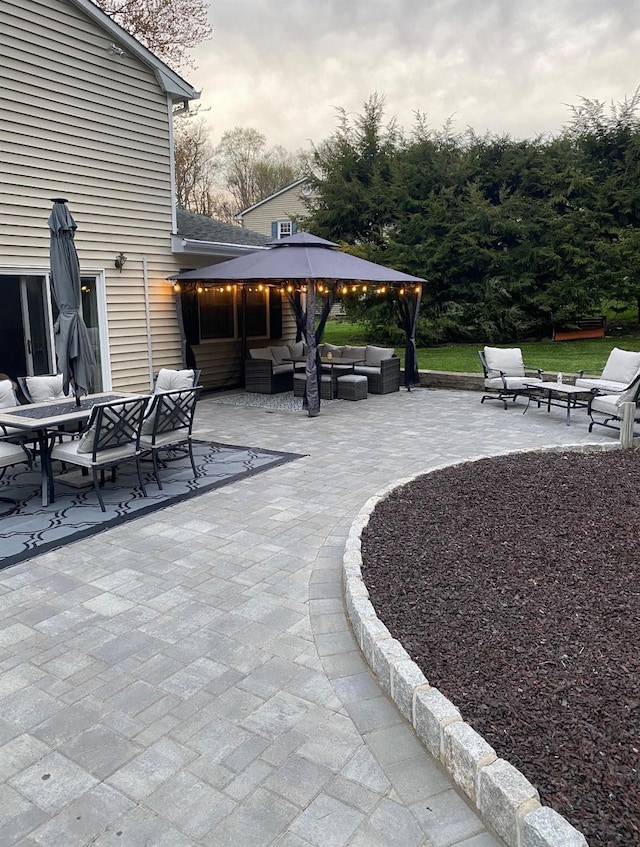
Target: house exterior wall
(86,124)
(283,207)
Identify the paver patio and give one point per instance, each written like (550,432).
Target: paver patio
(190,678)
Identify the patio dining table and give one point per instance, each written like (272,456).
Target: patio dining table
(46,419)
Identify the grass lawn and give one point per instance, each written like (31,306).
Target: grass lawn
(565,356)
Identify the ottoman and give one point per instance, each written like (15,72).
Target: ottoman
(300,382)
(352,387)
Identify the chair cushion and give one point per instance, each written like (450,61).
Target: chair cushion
(374,356)
(261,353)
(68,452)
(279,354)
(172,380)
(10,454)
(508,360)
(622,366)
(603,384)
(282,369)
(513,382)
(630,394)
(45,388)
(7,394)
(366,370)
(176,436)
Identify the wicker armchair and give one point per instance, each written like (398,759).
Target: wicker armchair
(383,378)
(263,376)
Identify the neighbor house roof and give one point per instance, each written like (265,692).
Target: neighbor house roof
(171,82)
(271,196)
(202,234)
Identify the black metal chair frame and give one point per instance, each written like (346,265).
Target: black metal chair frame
(13,503)
(609,418)
(505,392)
(170,411)
(114,425)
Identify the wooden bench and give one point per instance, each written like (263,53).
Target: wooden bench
(584,328)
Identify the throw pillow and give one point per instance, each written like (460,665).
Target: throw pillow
(85,444)
(297,349)
(261,353)
(374,356)
(279,354)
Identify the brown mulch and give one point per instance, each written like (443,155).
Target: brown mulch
(514,583)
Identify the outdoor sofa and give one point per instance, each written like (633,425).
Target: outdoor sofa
(381,366)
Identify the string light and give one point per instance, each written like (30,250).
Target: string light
(199,289)
(177,288)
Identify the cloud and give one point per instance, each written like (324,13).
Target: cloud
(494,65)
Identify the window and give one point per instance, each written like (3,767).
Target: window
(217,312)
(284,229)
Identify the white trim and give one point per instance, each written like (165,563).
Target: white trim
(103,326)
(270,197)
(172,168)
(211,248)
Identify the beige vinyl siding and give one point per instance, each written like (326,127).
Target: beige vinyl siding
(78,122)
(284,207)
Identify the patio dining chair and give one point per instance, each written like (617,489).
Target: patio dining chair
(42,388)
(505,373)
(11,454)
(168,424)
(112,436)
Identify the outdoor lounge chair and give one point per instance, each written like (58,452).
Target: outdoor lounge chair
(112,436)
(618,372)
(506,374)
(610,406)
(168,424)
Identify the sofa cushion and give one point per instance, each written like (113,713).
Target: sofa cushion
(280,353)
(297,349)
(7,394)
(622,366)
(374,356)
(261,353)
(282,369)
(602,384)
(45,388)
(173,380)
(354,352)
(335,350)
(508,360)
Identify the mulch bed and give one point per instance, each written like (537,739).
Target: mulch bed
(514,584)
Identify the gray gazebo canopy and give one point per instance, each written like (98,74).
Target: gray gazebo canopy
(304,261)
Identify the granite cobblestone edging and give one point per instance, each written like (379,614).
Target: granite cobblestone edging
(504,798)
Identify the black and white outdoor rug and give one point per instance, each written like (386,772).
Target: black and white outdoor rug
(32,529)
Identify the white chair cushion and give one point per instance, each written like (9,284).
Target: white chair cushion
(513,382)
(279,354)
(365,370)
(261,353)
(622,366)
(603,384)
(375,356)
(68,452)
(45,388)
(172,380)
(282,369)
(508,360)
(175,436)
(11,454)
(7,394)
(606,403)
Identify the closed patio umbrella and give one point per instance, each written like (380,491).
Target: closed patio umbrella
(307,259)
(74,352)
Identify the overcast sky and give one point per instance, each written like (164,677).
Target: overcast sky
(500,65)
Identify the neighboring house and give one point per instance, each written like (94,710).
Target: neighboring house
(277,215)
(87,114)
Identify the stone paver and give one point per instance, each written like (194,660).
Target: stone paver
(190,679)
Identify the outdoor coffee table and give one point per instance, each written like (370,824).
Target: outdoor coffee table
(557,394)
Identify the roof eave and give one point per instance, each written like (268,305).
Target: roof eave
(270,197)
(196,247)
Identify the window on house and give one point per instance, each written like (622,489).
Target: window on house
(284,229)
(217,312)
